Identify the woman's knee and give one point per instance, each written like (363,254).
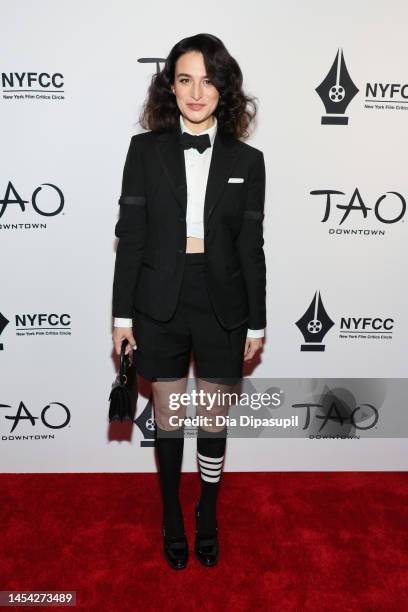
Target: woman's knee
(213,404)
(169,412)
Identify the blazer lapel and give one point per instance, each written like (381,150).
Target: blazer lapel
(171,154)
(223,158)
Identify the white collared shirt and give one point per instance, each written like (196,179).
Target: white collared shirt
(197,169)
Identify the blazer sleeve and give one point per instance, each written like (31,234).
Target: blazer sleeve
(249,243)
(131,231)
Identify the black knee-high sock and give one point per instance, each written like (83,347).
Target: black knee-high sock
(210,454)
(170,446)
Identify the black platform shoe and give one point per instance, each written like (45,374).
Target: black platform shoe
(175,550)
(206,546)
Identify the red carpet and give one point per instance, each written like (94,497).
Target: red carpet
(308,541)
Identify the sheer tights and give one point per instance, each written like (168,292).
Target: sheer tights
(211,442)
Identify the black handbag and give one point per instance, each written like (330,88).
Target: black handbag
(124,392)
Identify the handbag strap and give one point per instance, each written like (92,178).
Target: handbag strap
(125,361)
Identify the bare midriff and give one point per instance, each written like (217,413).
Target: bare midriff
(194,245)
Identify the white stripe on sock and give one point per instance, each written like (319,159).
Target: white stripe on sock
(210,478)
(209,465)
(210,472)
(210,459)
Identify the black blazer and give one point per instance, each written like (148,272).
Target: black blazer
(151,229)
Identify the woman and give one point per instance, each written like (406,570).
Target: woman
(190,266)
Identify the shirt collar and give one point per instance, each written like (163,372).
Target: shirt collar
(211,131)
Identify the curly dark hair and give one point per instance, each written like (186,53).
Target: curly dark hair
(160,111)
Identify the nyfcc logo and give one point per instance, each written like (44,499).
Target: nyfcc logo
(45,86)
(315,323)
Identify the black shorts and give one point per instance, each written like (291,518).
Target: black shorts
(163,348)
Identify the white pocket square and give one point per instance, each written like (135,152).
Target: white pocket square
(235,180)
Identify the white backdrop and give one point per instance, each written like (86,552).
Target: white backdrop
(69,133)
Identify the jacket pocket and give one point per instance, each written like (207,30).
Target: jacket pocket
(237,272)
(149,259)
(233,266)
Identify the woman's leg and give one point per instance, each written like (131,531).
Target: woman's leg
(170,446)
(211,444)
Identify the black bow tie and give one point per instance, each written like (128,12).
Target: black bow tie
(200,142)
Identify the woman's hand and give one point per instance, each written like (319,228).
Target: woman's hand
(252,345)
(119,334)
